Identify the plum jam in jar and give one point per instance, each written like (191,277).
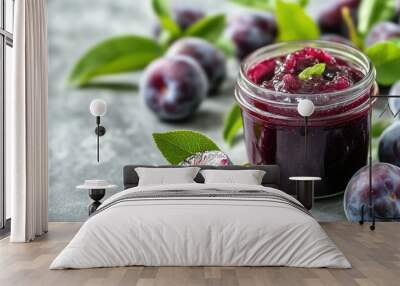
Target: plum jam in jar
(339,81)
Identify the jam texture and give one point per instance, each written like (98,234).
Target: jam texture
(282,73)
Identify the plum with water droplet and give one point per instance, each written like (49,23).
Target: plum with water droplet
(382,31)
(389,145)
(250,31)
(184,16)
(330,18)
(385,192)
(173,87)
(208,56)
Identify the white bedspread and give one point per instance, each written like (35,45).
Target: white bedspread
(200,231)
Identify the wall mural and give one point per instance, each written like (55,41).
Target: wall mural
(170,75)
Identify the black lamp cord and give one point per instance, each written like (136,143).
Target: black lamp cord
(305,137)
(98,137)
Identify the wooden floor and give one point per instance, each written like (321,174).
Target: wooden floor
(375,257)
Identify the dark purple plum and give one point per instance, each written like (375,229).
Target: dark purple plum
(385,192)
(183,16)
(389,145)
(394,102)
(186,16)
(330,19)
(250,31)
(337,39)
(173,87)
(208,56)
(382,31)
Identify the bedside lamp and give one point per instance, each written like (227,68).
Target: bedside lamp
(305,185)
(98,108)
(305,108)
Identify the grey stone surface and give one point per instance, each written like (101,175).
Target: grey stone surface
(74,26)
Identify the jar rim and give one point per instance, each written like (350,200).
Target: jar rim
(319,120)
(368,78)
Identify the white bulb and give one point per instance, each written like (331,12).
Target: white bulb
(305,107)
(98,107)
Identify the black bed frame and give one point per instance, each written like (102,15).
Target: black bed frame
(270,179)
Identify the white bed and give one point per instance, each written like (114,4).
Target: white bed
(249,226)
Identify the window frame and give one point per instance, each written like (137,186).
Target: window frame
(6,39)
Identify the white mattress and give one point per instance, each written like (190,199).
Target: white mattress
(200,231)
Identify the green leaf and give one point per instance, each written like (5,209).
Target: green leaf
(371,12)
(114,86)
(386,58)
(257,4)
(379,126)
(315,70)
(115,55)
(178,145)
(166,38)
(302,3)
(209,28)
(233,124)
(226,46)
(160,7)
(375,147)
(266,4)
(170,26)
(294,23)
(162,11)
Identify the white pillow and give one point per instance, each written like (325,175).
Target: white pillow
(165,176)
(246,177)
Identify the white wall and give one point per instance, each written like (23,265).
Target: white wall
(7,109)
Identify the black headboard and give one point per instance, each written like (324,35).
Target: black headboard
(271,177)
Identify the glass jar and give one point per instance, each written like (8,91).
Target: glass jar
(337,132)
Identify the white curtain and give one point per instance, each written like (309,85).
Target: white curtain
(26,123)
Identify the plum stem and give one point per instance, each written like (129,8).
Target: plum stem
(351,27)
